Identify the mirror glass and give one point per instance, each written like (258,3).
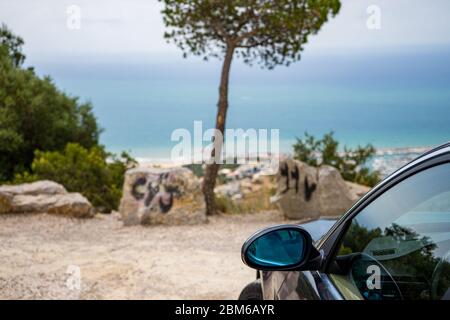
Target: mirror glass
(278,248)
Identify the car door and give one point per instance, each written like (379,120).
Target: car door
(392,244)
(398,245)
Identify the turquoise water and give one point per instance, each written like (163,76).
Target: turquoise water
(390,100)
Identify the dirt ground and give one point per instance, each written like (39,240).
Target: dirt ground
(41,254)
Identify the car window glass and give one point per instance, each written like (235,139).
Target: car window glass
(398,246)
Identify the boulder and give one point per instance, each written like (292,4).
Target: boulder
(36,188)
(43,196)
(357,191)
(69,204)
(297,190)
(305,192)
(162,196)
(72,205)
(334,196)
(5,202)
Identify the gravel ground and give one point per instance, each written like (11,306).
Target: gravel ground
(39,252)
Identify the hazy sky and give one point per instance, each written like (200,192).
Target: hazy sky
(120,62)
(135,26)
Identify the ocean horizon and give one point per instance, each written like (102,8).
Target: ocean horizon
(389,99)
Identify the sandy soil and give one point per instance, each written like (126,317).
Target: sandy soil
(116,262)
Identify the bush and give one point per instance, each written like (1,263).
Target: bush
(47,134)
(350,163)
(93,172)
(34,114)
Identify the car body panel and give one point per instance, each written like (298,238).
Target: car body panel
(298,285)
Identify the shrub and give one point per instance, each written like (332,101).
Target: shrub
(93,172)
(47,134)
(350,163)
(34,114)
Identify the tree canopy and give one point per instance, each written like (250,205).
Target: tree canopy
(267,32)
(351,163)
(13,45)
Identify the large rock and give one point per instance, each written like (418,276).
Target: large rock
(35,188)
(73,205)
(297,196)
(44,196)
(162,196)
(305,192)
(357,191)
(333,194)
(5,202)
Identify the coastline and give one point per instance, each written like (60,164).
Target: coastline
(403,150)
(386,160)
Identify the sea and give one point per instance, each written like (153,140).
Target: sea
(399,101)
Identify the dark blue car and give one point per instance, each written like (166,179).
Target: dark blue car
(392,244)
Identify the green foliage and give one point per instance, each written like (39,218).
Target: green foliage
(93,172)
(357,238)
(46,134)
(34,114)
(271,32)
(13,45)
(350,162)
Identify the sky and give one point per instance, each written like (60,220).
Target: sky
(134,27)
(119,61)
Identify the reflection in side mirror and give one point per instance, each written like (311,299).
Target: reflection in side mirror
(277,248)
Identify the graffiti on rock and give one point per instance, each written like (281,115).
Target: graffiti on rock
(135,189)
(157,193)
(309,189)
(284,172)
(295,175)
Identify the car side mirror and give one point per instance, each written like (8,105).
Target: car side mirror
(284,247)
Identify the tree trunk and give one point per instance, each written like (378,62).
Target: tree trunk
(209,180)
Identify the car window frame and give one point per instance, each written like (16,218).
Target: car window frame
(331,241)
